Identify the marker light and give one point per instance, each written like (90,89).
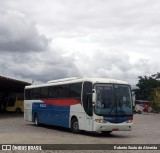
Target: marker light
(129,121)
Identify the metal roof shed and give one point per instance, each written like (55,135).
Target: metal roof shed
(11,85)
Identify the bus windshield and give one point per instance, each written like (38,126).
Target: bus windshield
(113,100)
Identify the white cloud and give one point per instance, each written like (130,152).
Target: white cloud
(98,38)
(17,33)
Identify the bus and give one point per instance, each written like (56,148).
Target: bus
(81,104)
(15,102)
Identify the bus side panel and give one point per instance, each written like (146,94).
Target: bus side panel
(28,110)
(57,115)
(51,114)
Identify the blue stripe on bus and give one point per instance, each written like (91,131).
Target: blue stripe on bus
(116,119)
(51,114)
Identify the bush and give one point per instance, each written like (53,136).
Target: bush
(155,100)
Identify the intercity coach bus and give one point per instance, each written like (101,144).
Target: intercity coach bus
(89,104)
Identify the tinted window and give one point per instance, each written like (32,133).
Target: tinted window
(63,91)
(28,94)
(44,92)
(75,90)
(35,93)
(20,96)
(12,99)
(52,92)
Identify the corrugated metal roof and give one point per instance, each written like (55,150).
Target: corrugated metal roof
(12,85)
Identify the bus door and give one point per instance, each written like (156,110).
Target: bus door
(87,105)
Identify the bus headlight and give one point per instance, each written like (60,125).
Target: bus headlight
(129,121)
(100,121)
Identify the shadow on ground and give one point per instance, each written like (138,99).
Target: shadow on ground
(4,115)
(83,133)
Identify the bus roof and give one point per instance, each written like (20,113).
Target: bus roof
(78,79)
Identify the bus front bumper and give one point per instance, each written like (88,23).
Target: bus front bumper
(98,127)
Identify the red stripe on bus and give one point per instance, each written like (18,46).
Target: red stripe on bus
(62,102)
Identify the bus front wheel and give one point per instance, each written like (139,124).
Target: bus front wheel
(75,126)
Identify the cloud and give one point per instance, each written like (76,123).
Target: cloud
(19,34)
(99,38)
(40,67)
(114,64)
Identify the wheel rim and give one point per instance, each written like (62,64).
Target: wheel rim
(76,126)
(36,120)
(18,110)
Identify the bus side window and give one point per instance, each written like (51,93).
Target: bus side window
(20,96)
(28,94)
(35,93)
(52,91)
(11,99)
(44,92)
(64,91)
(75,90)
(87,98)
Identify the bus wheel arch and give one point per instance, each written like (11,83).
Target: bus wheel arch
(75,125)
(18,110)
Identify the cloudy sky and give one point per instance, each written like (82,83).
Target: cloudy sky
(52,39)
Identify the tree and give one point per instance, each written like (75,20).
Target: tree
(155,99)
(146,85)
(156,76)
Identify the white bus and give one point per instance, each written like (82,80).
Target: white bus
(90,104)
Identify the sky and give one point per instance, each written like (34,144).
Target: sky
(54,39)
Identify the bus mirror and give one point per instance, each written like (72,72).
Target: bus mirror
(93,91)
(93,104)
(94,98)
(133,103)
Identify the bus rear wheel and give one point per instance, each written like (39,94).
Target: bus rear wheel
(18,110)
(75,126)
(36,120)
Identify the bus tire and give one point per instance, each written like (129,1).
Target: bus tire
(36,120)
(18,110)
(75,126)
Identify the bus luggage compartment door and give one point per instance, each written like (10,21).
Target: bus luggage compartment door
(89,123)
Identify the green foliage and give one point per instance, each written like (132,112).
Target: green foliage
(155,99)
(146,85)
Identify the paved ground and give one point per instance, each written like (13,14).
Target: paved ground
(14,130)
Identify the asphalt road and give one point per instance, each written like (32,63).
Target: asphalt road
(14,130)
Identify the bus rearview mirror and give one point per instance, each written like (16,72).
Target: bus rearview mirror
(94,98)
